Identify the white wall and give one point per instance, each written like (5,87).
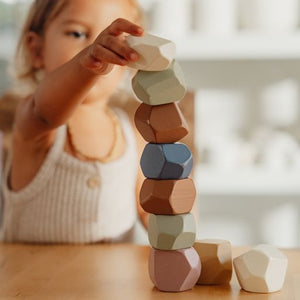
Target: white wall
(245,62)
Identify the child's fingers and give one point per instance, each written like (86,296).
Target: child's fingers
(102,54)
(121,25)
(119,47)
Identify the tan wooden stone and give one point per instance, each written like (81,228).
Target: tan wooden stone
(216,259)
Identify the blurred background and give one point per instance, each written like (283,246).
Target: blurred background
(241,60)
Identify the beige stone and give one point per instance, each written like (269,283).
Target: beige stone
(155,53)
(261,270)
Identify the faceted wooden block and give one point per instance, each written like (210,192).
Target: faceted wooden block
(261,270)
(160,124)
(216,260)
(155,53)
(174,271)
(162,87)
(167,197)
(171,232)
(166,161)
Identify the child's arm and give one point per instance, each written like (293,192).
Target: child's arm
(37,117)
(65,88)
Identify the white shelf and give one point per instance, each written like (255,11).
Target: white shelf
(242,46)
(251,181)
(197,47)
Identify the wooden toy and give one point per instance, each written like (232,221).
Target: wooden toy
(155,127)
(155,53)
(216,261)
(166,161)
(174,271)
(171,232)
(167,193)
(156,88)
(261,270)
(167,197)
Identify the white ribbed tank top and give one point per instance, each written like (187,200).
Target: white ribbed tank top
(71,201)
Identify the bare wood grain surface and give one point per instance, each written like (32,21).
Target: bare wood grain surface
(103,271)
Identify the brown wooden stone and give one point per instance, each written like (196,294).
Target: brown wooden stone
(161,124)
(167,197)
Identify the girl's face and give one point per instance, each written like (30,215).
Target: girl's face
(75,28)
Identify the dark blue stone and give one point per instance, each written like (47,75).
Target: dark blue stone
(166,161)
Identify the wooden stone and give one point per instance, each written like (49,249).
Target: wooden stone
(155,53)
(167,197)
(162,87)
(261,270)
(166,161)
(171,232)
(174,271)
(160,124)
(216,260)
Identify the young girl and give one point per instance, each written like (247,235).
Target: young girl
(72,175)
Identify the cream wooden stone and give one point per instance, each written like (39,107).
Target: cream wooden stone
(162,87)
(216,260)
(171,232)
(155,53)
(261,270)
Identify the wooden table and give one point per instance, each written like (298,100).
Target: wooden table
(107,272)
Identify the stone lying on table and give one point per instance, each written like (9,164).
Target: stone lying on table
(174,271)
(155,53)
(162,87)
(166,161)
(160,124)
(171,232)
(167,197)
(261,270)
(216,260)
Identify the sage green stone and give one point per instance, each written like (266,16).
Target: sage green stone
(160,87)
(171,232)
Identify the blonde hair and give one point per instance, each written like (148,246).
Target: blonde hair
(41,13)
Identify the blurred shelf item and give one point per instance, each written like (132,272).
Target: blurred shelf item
(254,181)
(8,44)
(198,47)
(241,46)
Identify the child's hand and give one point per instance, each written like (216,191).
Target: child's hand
(110,47)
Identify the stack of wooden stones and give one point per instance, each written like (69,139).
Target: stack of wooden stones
(167,193)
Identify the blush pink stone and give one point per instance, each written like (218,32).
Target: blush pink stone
(174,270)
